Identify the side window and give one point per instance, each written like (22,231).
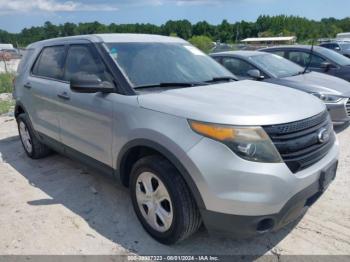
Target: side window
(332,46)
(279,53)
(303,58)
(81,60)
(50,62)
(317,61)
(299,58)
(237,66)
(336,47)
(217,59)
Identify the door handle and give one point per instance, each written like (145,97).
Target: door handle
(64,96)
(27,85)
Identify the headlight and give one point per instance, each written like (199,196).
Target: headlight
(328,98)
(250,143)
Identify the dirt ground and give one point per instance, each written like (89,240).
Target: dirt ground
(57,206)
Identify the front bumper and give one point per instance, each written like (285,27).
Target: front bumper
(338,111)
(249,226)
(239,194)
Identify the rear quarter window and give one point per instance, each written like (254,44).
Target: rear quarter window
(50,63)
(27,54)
(277,52)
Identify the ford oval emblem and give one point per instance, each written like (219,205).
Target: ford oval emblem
(323,135)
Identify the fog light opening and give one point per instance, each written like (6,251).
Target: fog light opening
(265,225)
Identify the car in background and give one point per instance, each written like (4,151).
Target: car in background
(342,47)
(343,36)
(323,60)
(260,66)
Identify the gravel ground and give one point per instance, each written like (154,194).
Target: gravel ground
(57,206)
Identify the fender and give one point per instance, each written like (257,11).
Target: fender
(170,156)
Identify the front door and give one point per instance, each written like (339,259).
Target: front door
(86,119)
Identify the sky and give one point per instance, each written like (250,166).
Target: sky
(18,14)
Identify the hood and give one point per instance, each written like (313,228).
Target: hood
(314,82)
(236,103)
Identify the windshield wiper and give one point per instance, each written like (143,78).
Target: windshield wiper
(221,78)
(310,57)
(301,73)
(171,84)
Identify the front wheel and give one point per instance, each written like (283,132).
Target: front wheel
(162,200)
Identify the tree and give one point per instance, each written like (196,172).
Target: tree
(225,31)
(203,28)
(68,29)
(182,28)
(265,25)
(50,30)
(204,43)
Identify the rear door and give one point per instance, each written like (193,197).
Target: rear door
(45,77)
(86,119)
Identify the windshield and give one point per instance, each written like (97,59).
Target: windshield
(148,64)
(334,56)
(275,65)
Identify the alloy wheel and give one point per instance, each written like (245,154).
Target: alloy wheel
(25,137)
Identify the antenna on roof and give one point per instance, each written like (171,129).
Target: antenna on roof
(310,56)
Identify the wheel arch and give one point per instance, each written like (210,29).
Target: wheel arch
(19,109)
(130,153)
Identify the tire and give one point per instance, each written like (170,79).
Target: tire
(31,144)
(176,206)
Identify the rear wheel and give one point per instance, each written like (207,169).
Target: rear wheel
(162,200)
(32,146)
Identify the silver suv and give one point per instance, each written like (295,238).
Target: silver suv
(191,143)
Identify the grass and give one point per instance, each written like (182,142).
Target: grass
(6,83)
(5,106)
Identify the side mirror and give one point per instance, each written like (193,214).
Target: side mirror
(337,48)
(326,66)
(90,84)
(255,74)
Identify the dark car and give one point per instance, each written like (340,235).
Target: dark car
(342,47)
(260,66)
(323,60)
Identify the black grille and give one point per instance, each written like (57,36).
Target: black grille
(348,107)
(298,142)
